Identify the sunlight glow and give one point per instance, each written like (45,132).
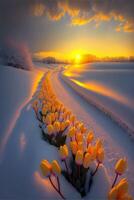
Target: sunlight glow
(77,58)
(104,90)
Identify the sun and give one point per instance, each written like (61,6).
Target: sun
(77,58)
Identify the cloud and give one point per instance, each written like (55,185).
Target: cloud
(82,12)
(15,16)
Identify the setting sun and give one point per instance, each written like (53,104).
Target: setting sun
(77,58)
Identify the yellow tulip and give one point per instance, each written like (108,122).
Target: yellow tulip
(56,167)
(92,151)
(113,194)
(72,131)
(79,157)
(79,137)
(67,123)
(52,117)
(56,126)
(45,168)
(87,160)
(121,166)
(80,146)
(74,147)
(56,115)
(122,187)
(44,110)
(100,155)
(63,152)
(77,124)
(98,144)
(125,196)
(81,126)
(72,118)
(83,130)
(48,119)
(62,126)
(90,137)
(50,129)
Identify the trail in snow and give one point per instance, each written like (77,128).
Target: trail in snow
(116,141)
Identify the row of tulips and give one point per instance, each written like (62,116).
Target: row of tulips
(53,116)
(60,126)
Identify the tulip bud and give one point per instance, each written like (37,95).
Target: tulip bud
(45,168)
(44,110)
(121,166)
(56,115)
(90,137)
(67,123)
(112,194)
(92,151)
(87,160)
(80,146)
(77,124)
(98,144)
(125,196)
(81,126)
(79,157)
(52,117)
(122,187)
(50,129)
(74,147)
(62,126)
(56,126)
(72,118)
(79,137)
(72,131)
(83,130)
(48,119)
(100,155)
(63,152)
(56,167)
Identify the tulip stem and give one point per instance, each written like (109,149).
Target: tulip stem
(78,167)
(58,182)
(66,166)
(96,169)
(57,190)
(115,180)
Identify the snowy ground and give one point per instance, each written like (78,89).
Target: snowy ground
(21,146)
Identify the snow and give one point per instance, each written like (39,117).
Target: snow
(109,86)
(22,148)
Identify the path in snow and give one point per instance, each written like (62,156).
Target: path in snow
(117,143)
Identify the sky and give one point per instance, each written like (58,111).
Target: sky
(65,28)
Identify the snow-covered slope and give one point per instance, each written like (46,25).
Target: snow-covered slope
(109,86)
